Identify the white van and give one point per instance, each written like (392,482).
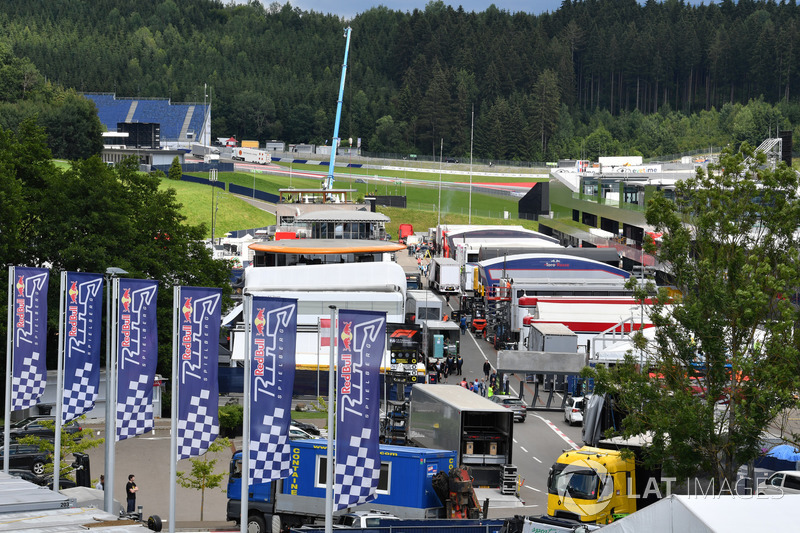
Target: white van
(783,482)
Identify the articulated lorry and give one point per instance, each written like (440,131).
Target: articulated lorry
(450,417)
(405,488)
(605,478)
(252,155)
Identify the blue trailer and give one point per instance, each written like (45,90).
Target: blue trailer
(405,487)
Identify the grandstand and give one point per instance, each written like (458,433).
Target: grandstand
(181,124)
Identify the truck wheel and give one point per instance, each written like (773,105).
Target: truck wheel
(276,524)
(256,524)
(154,523)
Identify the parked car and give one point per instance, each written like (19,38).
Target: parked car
(42,481)
(307,427)
(573,410)
(33,426)
(25,456)
(513,403)
(297,433)
(780,483)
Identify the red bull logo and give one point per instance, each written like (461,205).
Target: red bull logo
(126,300)
(73,292)
(187,309)
(347,336)
(259,322)
(21,285)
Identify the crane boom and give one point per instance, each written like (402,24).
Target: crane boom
(335,143)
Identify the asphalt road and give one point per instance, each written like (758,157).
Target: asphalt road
(537,442)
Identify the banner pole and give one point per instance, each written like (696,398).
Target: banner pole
(334,345)
(248,332)
(111,401)
(9,356)
(59,383)
(173,439)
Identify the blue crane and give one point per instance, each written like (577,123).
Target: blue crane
(335,144)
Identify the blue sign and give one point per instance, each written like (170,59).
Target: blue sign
(29,374)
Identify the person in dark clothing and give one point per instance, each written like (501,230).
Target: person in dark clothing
(459,364)
(487,368)
(130,491)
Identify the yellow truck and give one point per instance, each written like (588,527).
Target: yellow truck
(595,485)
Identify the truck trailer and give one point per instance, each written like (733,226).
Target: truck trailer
(405,488)
(450,417)
(252,155)
(445,275)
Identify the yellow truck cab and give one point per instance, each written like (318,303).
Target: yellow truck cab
(591,485)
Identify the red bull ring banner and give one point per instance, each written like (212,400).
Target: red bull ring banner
(29,373)
(137,356)
(83,317)
(362,342)
(273,335)
(199,312)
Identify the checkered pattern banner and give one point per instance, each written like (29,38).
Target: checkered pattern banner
(137,356)
(29,315)
(272,364)
(199,312)
(362,343)
(82,326)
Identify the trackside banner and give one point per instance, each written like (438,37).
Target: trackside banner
(137,356)
(362,341)
(272,366)
(83,317)
(199,312)
(29,373)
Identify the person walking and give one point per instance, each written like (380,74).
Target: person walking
(459,364)
(101,485)
(505,383)
(476,387)
(463,323)
(487,368)
(464,383)
(445,370)
(130,492)
(483,388)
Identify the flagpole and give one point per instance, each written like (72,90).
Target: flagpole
(319,340)
(111,401)
(248,332)
(59,383)
(331,399)
(108,496)
(173,440)
(9,356)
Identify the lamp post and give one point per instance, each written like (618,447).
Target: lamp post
(471,134)
(439,210)
(212,177)
(108,495)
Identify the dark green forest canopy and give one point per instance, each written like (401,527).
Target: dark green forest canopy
(596,77)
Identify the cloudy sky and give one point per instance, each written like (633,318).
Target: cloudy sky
(350,8)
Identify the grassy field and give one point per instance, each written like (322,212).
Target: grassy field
(233,213)
(421,199)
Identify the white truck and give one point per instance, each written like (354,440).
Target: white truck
(252,155)
(445,275)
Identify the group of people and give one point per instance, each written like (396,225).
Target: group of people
(446,367)
(478,387)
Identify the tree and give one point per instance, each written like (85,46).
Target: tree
(175,170)
(78,442)
(725,360)
(202,475)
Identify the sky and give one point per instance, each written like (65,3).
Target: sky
(350,8)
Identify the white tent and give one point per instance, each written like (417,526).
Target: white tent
(709,513)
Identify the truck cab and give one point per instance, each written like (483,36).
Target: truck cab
(591,485)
